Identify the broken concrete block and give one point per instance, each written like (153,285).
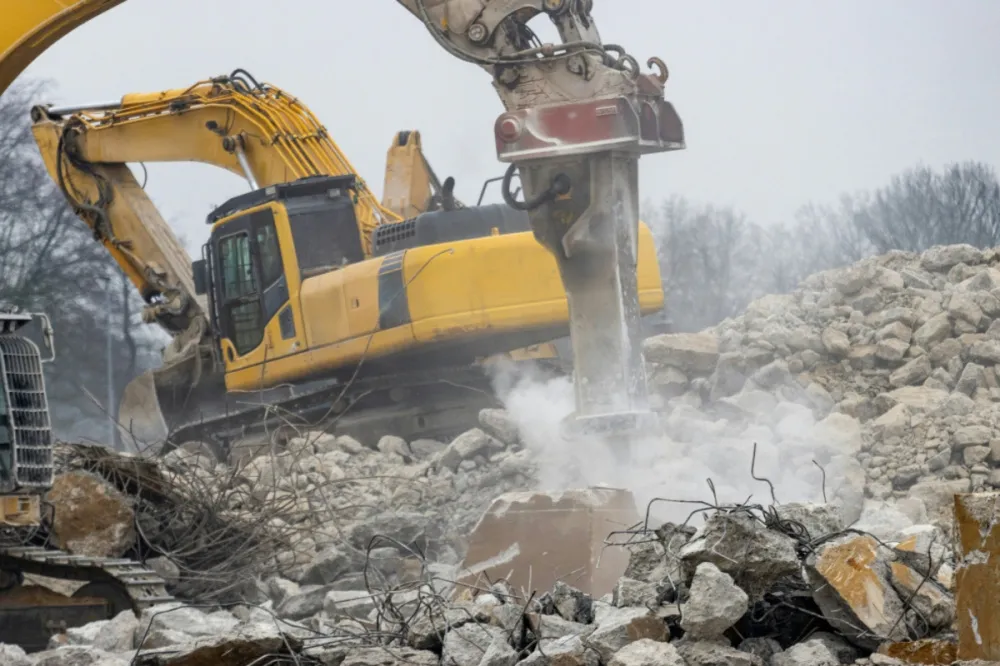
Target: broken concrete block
(711,653)
(12,655)
(765,648)
(692,353)
(623,626)
(91,516)
(414,530)
(926,595)
(426,631)
(466,447)
(631,592)
(389,656)
(551,627)
(499,653)
(184,620)
(813,652)
(742,547)
(500,424)
(351,603)
(535,538)
(308,602)
(466,645)
(818,519)
(568,651)
(326,567)
(118,635)
(851,585)
(572,604)
(659,561)
(714,605)
(646,652)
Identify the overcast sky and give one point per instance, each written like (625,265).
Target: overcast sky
(784,101)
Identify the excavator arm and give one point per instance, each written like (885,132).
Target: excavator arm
(578,116)
(254,130)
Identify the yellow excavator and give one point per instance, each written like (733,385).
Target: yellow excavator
(315,303)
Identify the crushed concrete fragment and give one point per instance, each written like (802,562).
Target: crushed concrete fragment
(623,627)
(647,652)
(742,547)
(91,516)
(709,653)
(467,645)
(715,603)
(568,651)
(851,584)
(813,652)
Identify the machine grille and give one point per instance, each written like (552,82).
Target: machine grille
(394,232)
(25,417)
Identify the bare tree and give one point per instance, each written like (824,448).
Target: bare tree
(921,208)
(708,260)
(49,261)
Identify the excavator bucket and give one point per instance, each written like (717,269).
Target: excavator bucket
(140,419)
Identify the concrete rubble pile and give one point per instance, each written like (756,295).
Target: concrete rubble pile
(877,384)
(312,511)
(884,373)
(776,586)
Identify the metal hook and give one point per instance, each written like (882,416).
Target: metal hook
(663,72)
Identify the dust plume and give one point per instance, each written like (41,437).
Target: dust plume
(694,446)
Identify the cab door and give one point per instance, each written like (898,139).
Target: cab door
(252,288)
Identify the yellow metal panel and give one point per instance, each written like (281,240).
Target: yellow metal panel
(29,27)
(20,510)
(507,282)
(324,305)
(454,291)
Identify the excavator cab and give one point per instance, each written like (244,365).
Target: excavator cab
(265,243)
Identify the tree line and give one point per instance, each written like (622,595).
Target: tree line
(51,263)
(714,260)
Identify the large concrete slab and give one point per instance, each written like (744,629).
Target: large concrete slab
(535,539)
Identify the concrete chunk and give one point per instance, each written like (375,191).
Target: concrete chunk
(692,353)
(568,651)
(715,603)
(646,652)
(742,547)
(708,653)
(467,645)
(622,627)
(516,540)
(809,653)
(851,585)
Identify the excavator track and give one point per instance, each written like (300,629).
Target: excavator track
(433,404)
(142,587)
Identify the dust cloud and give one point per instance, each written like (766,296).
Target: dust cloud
(694,447)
